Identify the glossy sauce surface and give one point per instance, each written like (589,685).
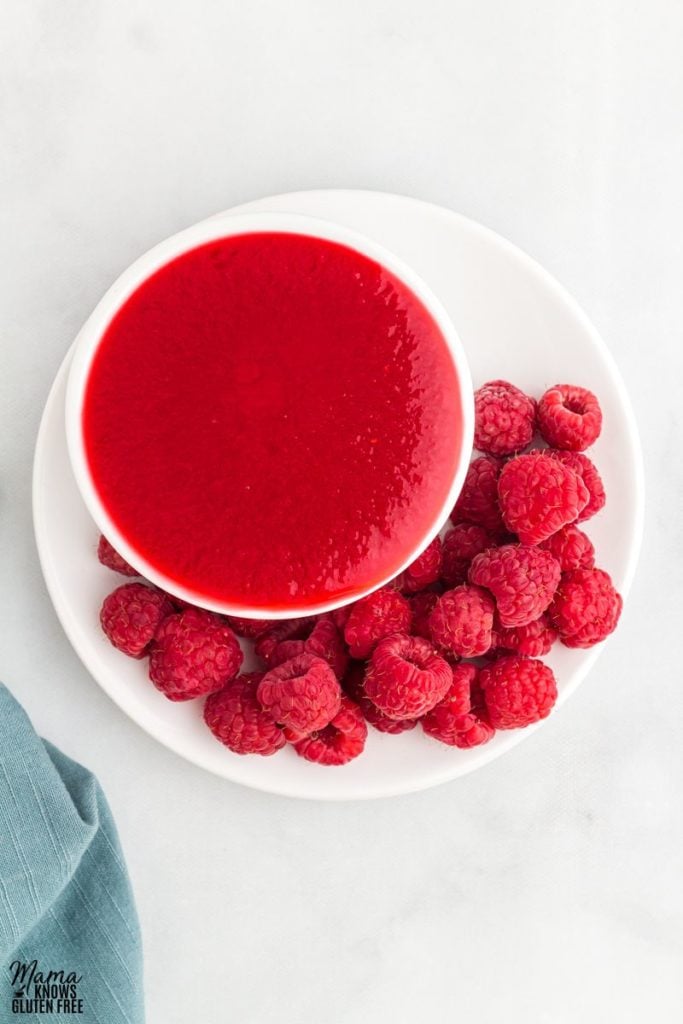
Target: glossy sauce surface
(273,419)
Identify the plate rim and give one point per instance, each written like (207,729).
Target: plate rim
(487,755)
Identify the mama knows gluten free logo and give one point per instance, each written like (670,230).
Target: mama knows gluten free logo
(36,991)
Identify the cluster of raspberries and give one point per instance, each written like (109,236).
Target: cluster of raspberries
(454,643)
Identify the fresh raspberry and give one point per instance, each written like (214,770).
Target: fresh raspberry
(457,700)
(325,641)
(131,615)
(533,640)
(425,570)
(373,617)
(586,607)
(179,603)
(250,629)
(538,495)
(571,547)
(495,648)
(406,677)
(522,580)
(109,556)
(285,629)
(584,468)
(421,606)
(460,546)
(462,620)
(302,694)
(339,741)
(353,684)
(195,652)
(517,691)
(569,417)
(478,500)
(285,651)
(460,719)
(236,718)
(340,616)
(504,418)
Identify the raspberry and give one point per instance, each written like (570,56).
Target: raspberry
(285,651)
(571,547)
(131,615)
(373,617)
(495,647)
(569,417)
(327,642)
(504,418)
(460,719)
(179,604)
(586,607)
(339,741)
(584,468)
(302,694)
(538,495)
(425,570)
(478,500)
(286,629)
(457,700)
(517,691)
(533,640)
(324,642)
(406,677)
(522,580)
(109,556)
(236,718)
(354,685)
(460,546)
(462,620)
(421,606)
(194,653)
(340,616)
(250,629)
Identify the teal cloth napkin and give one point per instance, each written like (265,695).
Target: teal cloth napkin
(66,904)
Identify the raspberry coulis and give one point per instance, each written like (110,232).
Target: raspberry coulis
(273,420)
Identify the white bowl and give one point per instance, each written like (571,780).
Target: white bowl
(223,226)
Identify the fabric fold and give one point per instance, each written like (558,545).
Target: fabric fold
(69,937)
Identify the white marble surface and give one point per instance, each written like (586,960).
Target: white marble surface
(545,888)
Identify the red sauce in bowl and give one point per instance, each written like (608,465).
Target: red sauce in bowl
(273,420)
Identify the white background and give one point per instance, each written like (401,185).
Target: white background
(545,889)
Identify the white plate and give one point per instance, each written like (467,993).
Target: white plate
(516,322)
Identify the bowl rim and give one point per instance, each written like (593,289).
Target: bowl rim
(226,225)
